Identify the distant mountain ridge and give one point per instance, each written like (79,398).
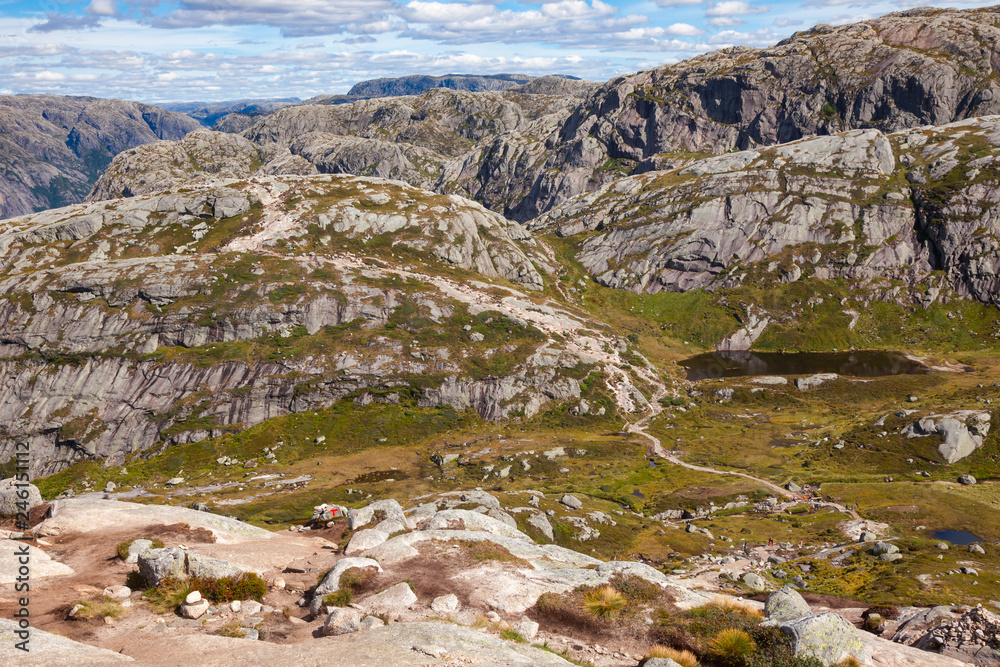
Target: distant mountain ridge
(54,148)
(207,113)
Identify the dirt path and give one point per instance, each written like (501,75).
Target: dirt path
(550,317)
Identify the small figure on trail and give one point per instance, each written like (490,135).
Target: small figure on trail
(770,542)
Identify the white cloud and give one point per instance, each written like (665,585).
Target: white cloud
(684,30)
(678,3)
(759,38)
(785,23)
(440,12)
(102,8)
(725,21)
(735,8)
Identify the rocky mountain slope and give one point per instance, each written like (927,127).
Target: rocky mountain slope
(54,148)
(423,140)
(908,69)
(860,206)
(209,113)
(165,318)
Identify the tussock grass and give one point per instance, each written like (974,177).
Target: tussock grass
(732,647)
(605,602)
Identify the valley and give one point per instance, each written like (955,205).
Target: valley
(525,345)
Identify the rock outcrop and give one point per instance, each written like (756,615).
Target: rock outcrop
(962,432)
(100,345)
(827,207)
(54,148)
(828,638)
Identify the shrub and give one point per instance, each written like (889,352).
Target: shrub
(168,595)
(340,598)
(233,629)
(225,589)
(135,581)
(604,602)
(732,605)
(104,608)
(637,589)
(885,611)
(849,661)
(683,658)
(356,579)
(732,647)
(874,623)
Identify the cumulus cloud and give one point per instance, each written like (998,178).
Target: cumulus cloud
(684,30)
(735,8)
(678,3)
(295,18)
(785,23)
(54,22)
(725,21)
(102,8)
(759,38)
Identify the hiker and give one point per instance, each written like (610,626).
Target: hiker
(770,542)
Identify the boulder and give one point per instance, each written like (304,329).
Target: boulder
(967,480)
(976,549)
(342,621)
(208,567)
(660,662)
(754,582)
(392,600)
(366,539)
(786,604)
(571,501)
(390,527)
(194,610)
(813,381)
(387,509)
(527,628)
(541,522)
(137,547)
(885,548)
(13,492)
(889,558)
(473,521)
(445,604)
(331,582)
(829,638)
(155,565)
(371,622)
(118,592)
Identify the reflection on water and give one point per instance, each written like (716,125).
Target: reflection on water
(959,537)
(855,364)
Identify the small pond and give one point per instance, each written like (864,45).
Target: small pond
(959,537)
(854,364)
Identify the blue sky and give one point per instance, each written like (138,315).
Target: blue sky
(228,49)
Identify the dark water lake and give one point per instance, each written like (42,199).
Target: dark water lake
(959,537)
(853,364)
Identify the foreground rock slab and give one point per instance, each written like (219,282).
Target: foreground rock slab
(398,644)
(51,650)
